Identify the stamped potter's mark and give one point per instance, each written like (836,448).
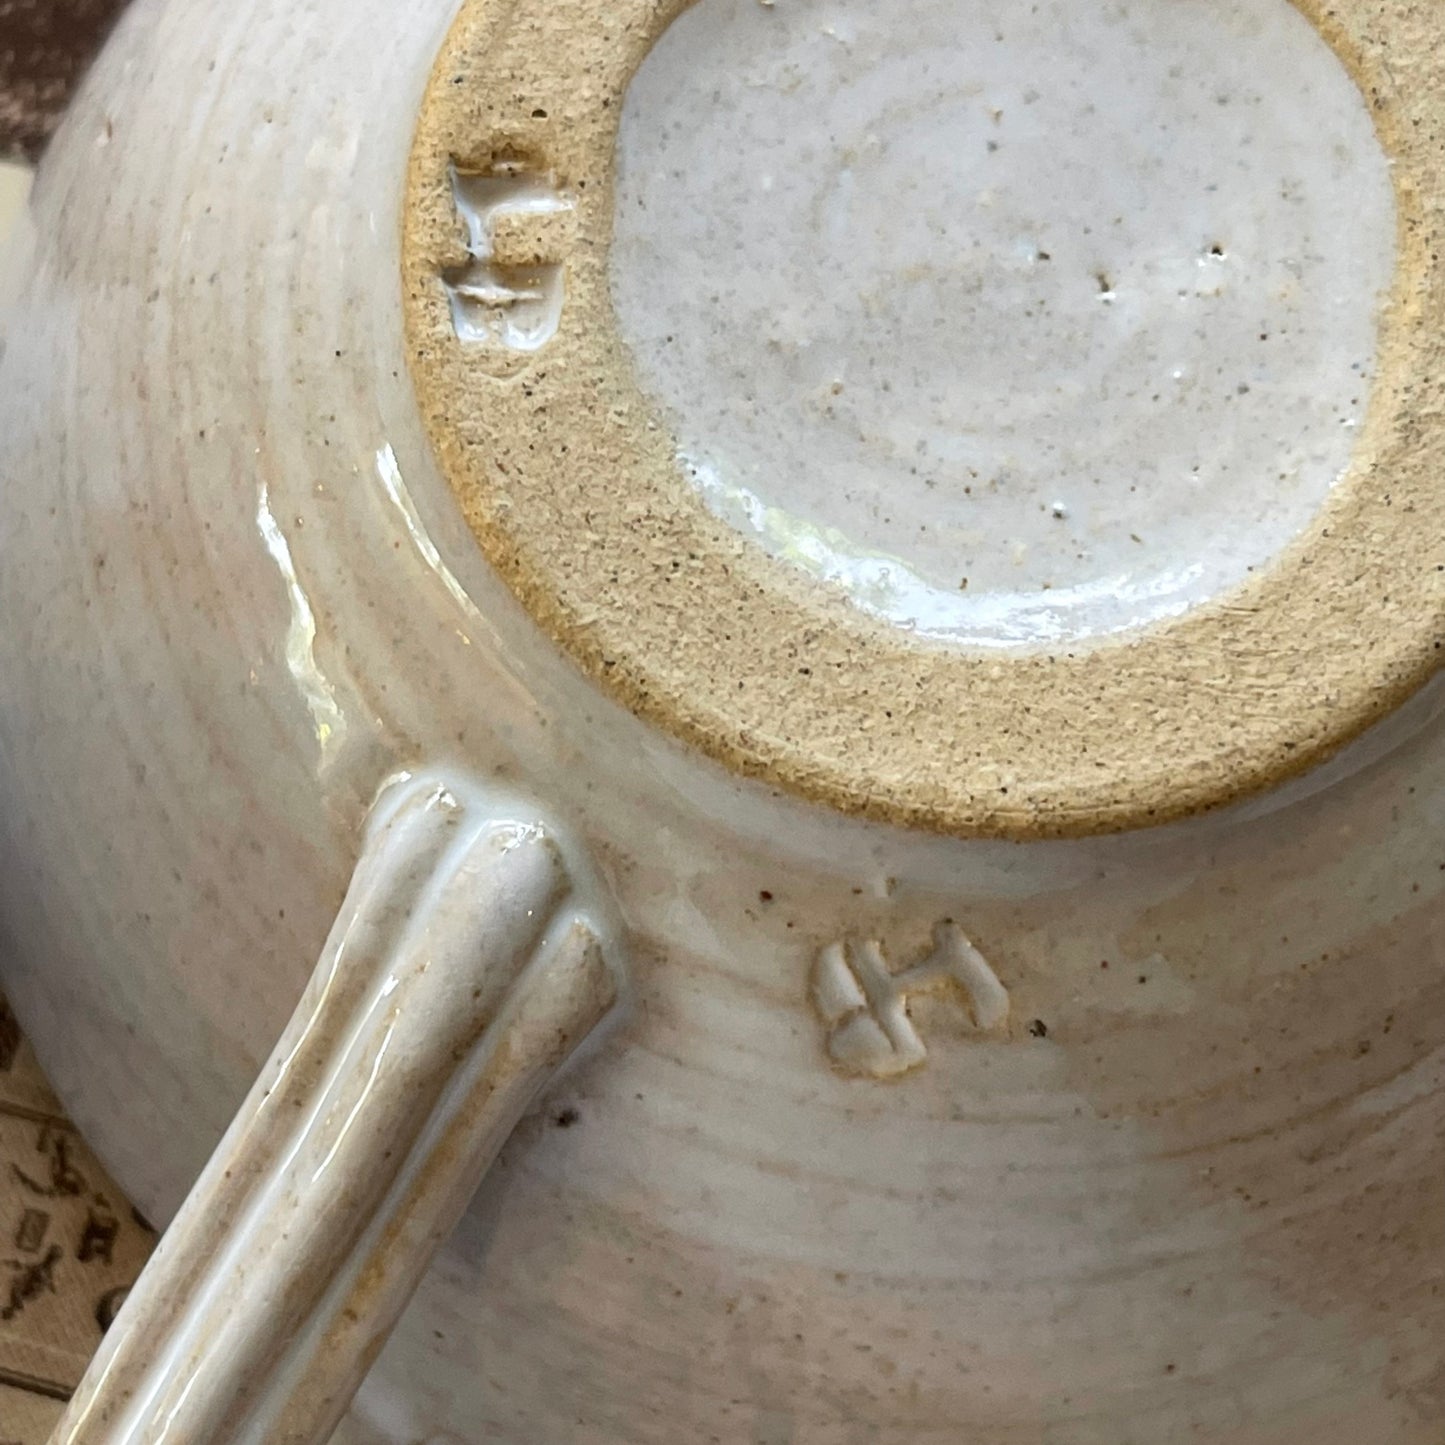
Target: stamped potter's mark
(864,1005)
(509,293)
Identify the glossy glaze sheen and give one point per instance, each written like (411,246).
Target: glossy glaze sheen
(1024,323)
(1203,1201)
(460,975)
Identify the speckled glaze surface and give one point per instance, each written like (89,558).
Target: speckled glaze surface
(463,971)
(1005,316)
(903,1137)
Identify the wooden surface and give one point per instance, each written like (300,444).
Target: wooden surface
(70,1246)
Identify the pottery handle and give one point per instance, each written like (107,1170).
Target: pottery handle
(459,975)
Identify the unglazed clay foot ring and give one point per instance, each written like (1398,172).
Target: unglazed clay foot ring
(571,483)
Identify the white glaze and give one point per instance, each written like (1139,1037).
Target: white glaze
(864,1002)
(462,972)
(1197,1207)
(517,306)
(1019,321)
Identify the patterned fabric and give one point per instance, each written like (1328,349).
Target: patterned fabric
(70,1247)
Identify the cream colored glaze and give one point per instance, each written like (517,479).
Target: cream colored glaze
(460,976)
(1205,1202)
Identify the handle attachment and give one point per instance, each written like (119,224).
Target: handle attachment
(460,974)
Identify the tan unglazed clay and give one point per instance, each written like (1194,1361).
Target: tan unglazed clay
(569,477)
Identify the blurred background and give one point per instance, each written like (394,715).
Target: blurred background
(45,46)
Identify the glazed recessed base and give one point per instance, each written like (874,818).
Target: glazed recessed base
(1019,325)
(569,475)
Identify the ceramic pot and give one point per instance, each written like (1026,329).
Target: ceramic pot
(883,571)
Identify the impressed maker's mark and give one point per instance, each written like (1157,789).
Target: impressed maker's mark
(865,1005)
(502,300)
